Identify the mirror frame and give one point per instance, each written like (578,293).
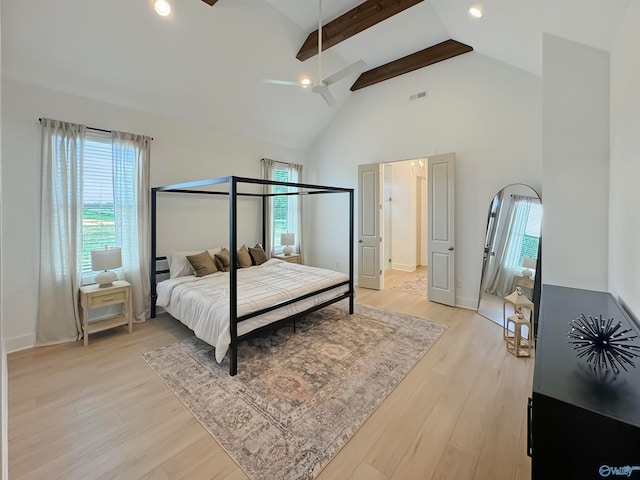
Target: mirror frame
(537,283)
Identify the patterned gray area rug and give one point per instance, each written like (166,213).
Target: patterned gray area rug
(298,397)
(416,286)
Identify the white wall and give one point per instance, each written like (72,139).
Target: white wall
(624,206)
(403,218)
(487,112)
(423,221)
(575,162)
(4,402)
(180,152)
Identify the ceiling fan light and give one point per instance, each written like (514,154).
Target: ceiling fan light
(162,7)
(305,83)
(476,12)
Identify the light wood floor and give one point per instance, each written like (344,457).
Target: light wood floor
(101,413)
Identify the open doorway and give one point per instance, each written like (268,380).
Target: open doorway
(404,220)
(435,209)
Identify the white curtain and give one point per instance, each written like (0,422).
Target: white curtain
(508,246)
(294,210)
(131,203)
(268,166)
(60,232)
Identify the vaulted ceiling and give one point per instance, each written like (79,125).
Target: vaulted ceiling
(207,64)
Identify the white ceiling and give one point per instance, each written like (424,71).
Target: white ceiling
(207,64)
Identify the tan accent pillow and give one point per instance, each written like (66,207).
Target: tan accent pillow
(223,260)
(244,259)
(257,254)
(202,263)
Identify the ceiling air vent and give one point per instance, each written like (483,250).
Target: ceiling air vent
(416,96)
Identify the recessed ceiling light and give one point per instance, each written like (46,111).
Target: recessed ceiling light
(305,82)
(476,12)
(162,7)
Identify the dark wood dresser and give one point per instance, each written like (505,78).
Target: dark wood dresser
(583,425)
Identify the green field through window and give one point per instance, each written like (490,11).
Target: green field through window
(98,230)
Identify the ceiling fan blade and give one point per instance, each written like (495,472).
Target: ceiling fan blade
(356,67)
(326,94)
(281,82)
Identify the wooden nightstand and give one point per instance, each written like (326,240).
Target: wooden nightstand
(92,296)
(293,258)
(520,281)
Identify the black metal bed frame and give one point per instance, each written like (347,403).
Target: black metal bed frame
(233,182)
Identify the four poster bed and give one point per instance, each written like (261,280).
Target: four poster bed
(225,307)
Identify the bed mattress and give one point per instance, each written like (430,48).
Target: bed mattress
(202,303)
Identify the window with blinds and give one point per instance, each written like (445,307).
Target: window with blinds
(531,238)
(280,205)
(98,211)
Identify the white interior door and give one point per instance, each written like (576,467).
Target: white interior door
(369,208)
(441,229)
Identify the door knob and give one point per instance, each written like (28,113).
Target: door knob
(359,241)
(450,249)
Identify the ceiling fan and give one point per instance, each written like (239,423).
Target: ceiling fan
(321,85)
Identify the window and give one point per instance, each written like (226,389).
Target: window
(99,207)
(94,193)
(284,211)
(280,205)
(98,210)
(531,238)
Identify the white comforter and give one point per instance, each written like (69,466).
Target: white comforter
(202,303)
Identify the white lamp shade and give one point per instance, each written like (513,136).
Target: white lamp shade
(106,259)
(287,239)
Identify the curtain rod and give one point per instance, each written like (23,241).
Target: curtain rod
(94,128)
(288,164)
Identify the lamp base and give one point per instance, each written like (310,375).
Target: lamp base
(105,279)
(287,250)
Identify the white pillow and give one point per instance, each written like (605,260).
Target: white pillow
(179,265)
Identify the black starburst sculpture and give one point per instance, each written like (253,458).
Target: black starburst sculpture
(605,345)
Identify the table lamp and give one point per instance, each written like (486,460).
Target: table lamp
(105,260)
(528,263)
(287,239)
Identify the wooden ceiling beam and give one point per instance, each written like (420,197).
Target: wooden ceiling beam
(210,2)
(365,15)
(428,56)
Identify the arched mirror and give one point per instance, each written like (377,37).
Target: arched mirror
(512,250)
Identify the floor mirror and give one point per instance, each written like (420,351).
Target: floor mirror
(511,256)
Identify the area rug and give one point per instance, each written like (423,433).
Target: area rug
(415,286)
(298,397)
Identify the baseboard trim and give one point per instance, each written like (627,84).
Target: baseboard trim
(23,342)
(403,267)
(4,411)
